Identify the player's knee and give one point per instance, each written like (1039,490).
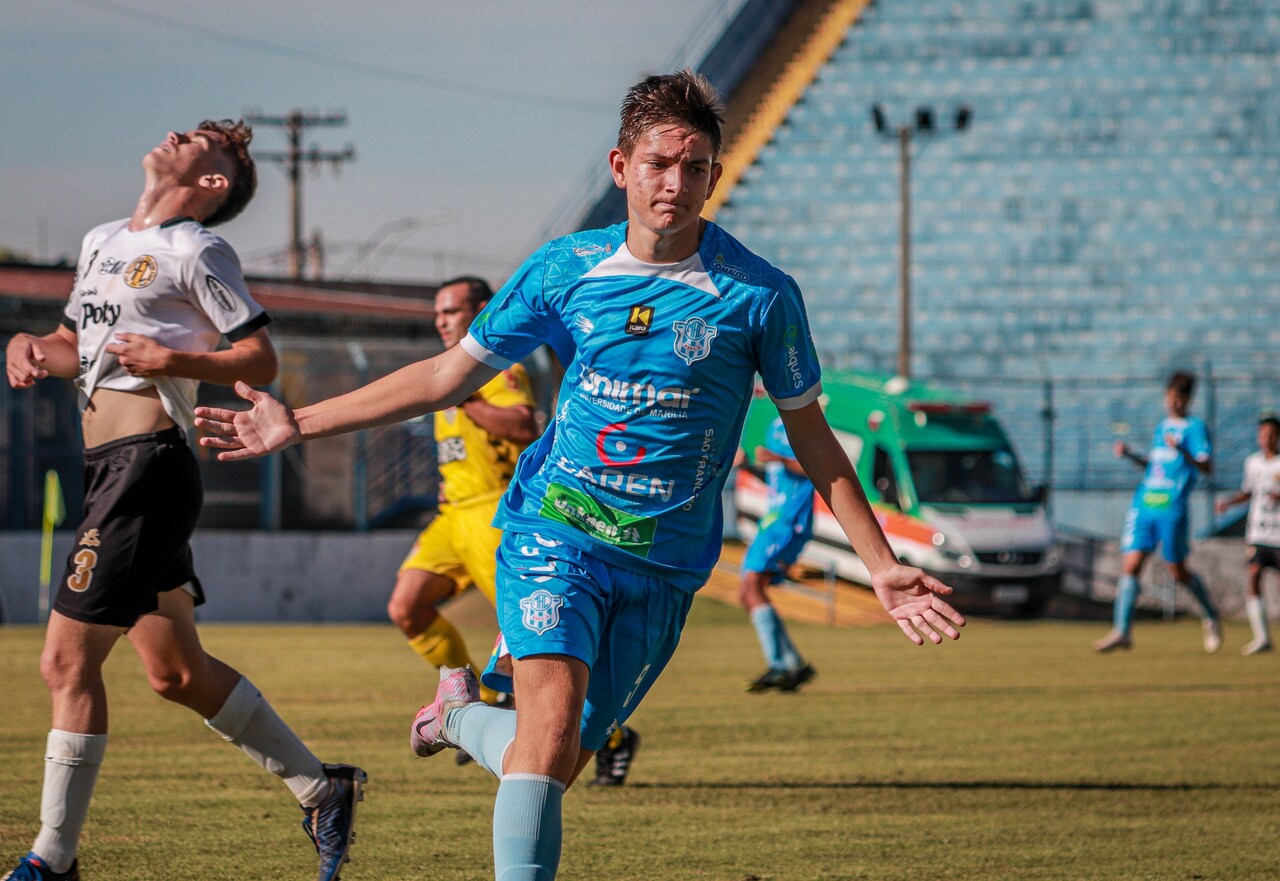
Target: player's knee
(63,669)
(174,684)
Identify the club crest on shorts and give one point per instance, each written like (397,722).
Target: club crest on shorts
(693,339)
(541,611)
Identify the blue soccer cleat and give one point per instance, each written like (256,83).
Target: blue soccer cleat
(32,868)
(331,824)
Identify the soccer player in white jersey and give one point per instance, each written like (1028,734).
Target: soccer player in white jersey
(154,295)
(1261,489)
(613,518)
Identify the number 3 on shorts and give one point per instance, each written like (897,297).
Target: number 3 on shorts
(85,559)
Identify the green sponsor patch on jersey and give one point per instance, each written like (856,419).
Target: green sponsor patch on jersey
(600,521)
(1156,499)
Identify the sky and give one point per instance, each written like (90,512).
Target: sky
(474,123)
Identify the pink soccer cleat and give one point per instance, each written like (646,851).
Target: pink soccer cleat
(458,688)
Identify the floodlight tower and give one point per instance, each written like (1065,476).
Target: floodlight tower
(921,124)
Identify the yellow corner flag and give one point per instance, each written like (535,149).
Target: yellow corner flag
(55,511)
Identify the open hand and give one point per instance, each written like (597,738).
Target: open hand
(267,427)
(914,601)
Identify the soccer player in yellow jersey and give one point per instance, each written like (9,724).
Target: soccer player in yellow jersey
(477,444)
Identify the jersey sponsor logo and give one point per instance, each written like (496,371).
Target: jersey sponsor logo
(108,313)
(141,272)
(110,266)
(728,268)
(621,394)
(603,442)
(626,482)
(602,522)
(91,539)
(584,324)
(450,449)
(592,250)
(706,466)
(793,356)
(87,292)
(693,339)
(639,321)
(220,294)
(541,611)
(88,267)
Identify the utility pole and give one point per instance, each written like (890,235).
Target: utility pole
(923,125)
(294,125)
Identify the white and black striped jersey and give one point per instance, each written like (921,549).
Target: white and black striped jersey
(177,283)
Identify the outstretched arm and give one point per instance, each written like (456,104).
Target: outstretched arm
(422,387)
(251,359)
(912,597)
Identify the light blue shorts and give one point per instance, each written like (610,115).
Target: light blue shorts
(1144,530)
(625,626)
(776,546)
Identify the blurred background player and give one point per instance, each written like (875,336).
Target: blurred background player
(1261,489)
(477,445)
(785,528)
(154,295)
(1180,452)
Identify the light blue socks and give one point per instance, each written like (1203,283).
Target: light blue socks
(1201,593)
(779,652)
(484,732)
(1126,599)
(526,828)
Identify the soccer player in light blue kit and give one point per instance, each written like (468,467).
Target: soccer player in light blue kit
(1180,452)
(785,529)
(613,518)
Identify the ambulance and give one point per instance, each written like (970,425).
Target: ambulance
(944,483)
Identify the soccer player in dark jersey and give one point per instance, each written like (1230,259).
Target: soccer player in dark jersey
(154,295)
(613,518)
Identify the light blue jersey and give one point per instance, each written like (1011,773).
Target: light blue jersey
(1170,477)
(660,364)
(790,495)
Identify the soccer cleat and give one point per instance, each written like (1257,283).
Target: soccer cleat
(32,868)
(797,678)
(770,678)
(331,824)
(458,688)
(1212,635)
(612,764)
(1255,647)
(1112,641)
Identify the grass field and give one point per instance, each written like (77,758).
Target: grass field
(1013,754)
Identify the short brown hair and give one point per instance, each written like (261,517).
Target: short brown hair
(1182,382)
(684,97)
(236,135)
(478,290)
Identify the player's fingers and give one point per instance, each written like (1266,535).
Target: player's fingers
(236,455)
(910,633)
(249,393)
(37,353)
(223,443)
(941,624)
(921,624)
(933,585)
(216,413)
(948,611)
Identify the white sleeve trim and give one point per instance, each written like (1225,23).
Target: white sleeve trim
(803,399)
(473,348)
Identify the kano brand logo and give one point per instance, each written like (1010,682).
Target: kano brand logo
(693,339)
(639,321)
(141,272)
(541,611)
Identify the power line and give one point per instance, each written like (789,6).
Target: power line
(361,67)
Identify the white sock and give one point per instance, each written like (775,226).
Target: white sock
(71,764)
(248,721)
(1255,608)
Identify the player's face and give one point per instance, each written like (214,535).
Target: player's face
(1268,438)
(1176,402)
(453,313)
(668,177)
(188,156)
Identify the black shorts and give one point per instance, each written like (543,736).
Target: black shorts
(1266,556)
(142,499)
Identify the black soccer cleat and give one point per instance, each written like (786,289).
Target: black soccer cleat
(612,764)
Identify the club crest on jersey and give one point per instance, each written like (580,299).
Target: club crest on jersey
(141,272)
(541,611)
(693,339)
(639,320)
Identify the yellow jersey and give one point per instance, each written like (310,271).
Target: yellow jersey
(473,463)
